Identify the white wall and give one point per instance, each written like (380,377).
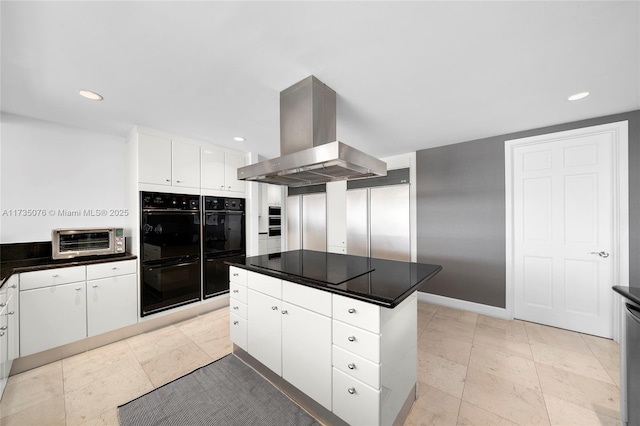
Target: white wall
(50,167)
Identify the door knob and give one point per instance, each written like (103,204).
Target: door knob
(601,253)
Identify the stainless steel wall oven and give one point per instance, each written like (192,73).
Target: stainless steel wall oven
(170,251)
(224,240)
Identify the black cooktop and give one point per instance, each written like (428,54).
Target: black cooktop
(379,281)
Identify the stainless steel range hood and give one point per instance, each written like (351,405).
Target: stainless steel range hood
(310,153)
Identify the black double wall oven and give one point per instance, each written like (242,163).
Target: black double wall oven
(170,251)
(223,234)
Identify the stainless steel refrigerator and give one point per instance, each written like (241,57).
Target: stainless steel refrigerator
(307,220)
(378,223)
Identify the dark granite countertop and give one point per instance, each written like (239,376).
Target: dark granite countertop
(14,266)
(378,281)
(630,293)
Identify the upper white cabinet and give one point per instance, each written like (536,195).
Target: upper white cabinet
(274,195)
(220,170)
(163,161)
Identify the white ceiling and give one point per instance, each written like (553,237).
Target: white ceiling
(409,75)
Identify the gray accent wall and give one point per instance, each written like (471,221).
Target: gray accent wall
(461,212)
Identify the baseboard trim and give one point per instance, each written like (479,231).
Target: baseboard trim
(464,305)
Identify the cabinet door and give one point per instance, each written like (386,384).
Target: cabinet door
(154,159)
(212,169)
(264,333)
(231,165)
(111,304)
(274,195)
(306,352)
(12,318)
(186,165)
(52,316)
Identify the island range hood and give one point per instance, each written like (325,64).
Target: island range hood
(310,153)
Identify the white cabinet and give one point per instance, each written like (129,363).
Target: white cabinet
(265,330)
(220,170)
(274,245)
(274,195)
(163,161)
(238,306)
(154,155)
(306,341)
(63,305)
(185,165)
(8,329)
(111,296)
(337,216)
(52,316)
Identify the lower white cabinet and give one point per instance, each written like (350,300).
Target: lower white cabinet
(357,359)
(264,329)
(56,314)
(52,316)
(238,306)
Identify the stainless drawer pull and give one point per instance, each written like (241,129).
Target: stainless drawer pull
(236,291)
(351,366)
(3,327)
(235,323)
(235,308)
(235,274)
(285,312)
(114,268)
(351,338)
(95,286)
(351,390)
(55,275)
(3,304)
(78,288)
(1,333)
(274,308)
(352,311)
(11,313)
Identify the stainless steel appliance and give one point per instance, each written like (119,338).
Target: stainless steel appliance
(310,153)
(170,251)
(224,240)
(630,368)
(378,213)
(307,218)
(69,243)
(275,221)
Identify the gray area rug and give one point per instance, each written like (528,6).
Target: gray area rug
(225,392)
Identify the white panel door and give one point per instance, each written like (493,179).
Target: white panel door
(232,163)
(562,221)
(264,330)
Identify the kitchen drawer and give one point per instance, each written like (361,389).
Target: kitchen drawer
(274,243)
(265,284)
(111,269)
(306,297)
(356,340)
(355,402)
(237,307)
(238,292)
(358,313)
(357,367)
(238,330)
(50,277)
(238,275)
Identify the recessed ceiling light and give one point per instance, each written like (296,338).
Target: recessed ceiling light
(90,95)
(238,139)
(578,96)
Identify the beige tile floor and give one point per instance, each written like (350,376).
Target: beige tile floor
(472,370)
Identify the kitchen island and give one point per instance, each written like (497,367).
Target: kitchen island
(337,333)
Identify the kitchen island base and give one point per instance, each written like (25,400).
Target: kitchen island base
(316,410)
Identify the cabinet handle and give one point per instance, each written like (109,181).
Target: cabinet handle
(274,308)
(235,308)
(11,313)
(235,323)
(4,327)
(178,181)
(236,291)
(94,286)
(3,304)
(351,338)
(235,274)
(351,366)
(229,188)
(55,275)
(78,288)
(114,268)
(351,390)
(285,312)
(13,286)
(1,333)
(352,311)
(168,180)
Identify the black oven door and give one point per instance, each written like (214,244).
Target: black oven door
(168,234)
(167,284)
(224,233)
(216,274)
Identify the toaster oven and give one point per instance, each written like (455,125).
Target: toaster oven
(70,243)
